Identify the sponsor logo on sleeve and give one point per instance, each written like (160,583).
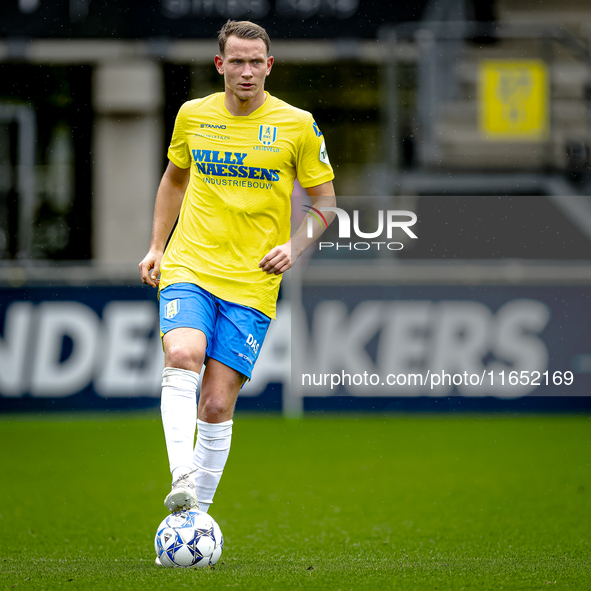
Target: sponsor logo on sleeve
(323,153)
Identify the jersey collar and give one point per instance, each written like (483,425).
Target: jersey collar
(256,114)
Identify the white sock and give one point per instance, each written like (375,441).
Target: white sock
(211,452)
(179,417)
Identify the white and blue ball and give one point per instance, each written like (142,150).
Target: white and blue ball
(189,539)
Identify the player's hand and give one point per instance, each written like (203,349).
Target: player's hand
(278,260)
(150,268)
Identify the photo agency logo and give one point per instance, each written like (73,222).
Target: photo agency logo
(388,221)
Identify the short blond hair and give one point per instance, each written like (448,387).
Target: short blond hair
(242,30)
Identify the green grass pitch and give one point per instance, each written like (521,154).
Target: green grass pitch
(329,502)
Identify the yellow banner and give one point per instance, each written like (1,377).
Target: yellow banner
(513,100)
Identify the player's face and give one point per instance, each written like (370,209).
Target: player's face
(245,66)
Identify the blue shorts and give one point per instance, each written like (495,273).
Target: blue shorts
(235,333)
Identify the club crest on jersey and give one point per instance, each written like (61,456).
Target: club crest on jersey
(267,134)
(172,309)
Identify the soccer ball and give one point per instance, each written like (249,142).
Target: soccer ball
(189,539)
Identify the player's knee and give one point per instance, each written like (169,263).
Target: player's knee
(215,410)
(184,358)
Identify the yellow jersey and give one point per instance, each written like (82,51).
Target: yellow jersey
(238,202)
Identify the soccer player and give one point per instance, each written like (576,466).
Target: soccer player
(234,156)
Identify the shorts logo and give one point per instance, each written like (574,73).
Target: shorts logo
(245,357)
(267,134)
(323,154)
(253,344)
(172,309)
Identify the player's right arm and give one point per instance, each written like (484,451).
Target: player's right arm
(168,205)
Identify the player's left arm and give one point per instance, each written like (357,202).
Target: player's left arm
(283,257)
